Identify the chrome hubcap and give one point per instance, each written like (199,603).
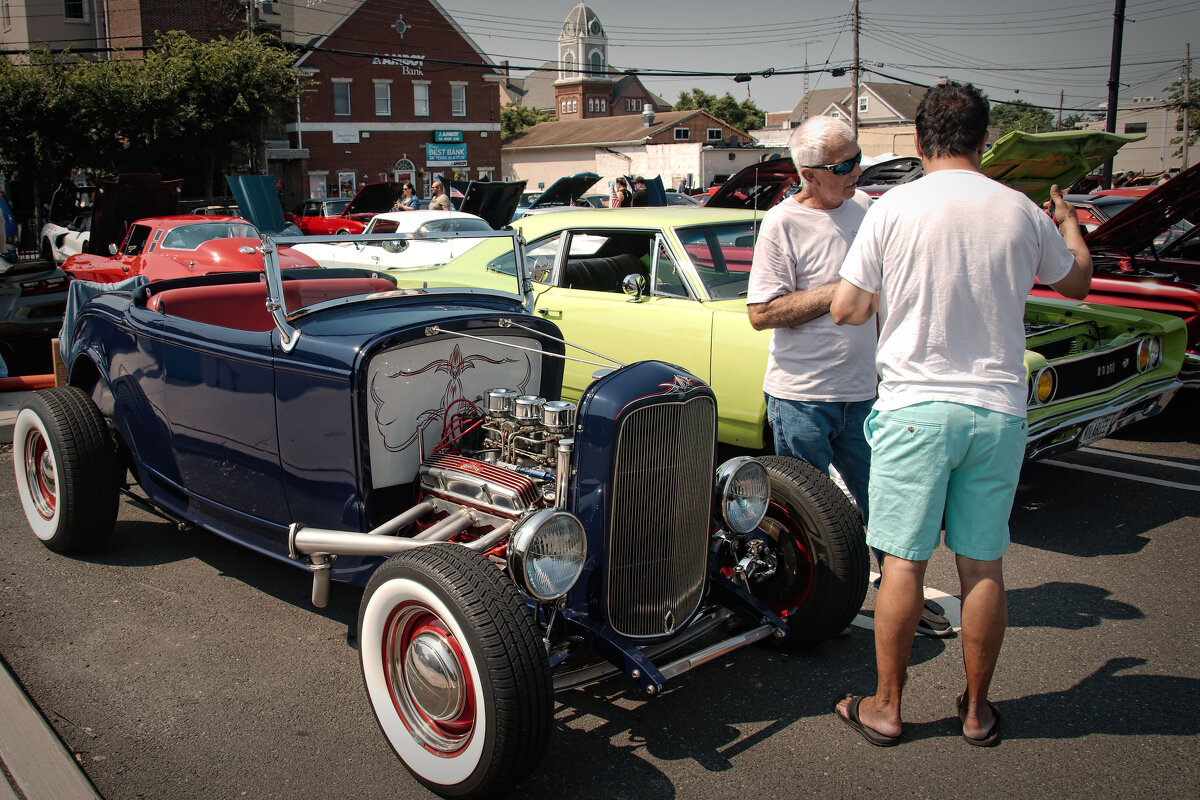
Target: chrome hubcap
(433,678)
(40,475)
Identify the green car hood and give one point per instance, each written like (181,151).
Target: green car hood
(1031,162)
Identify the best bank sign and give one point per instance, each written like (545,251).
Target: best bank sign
(446,155)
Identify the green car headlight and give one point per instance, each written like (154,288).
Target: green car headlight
(1044,385)
(1149,353)
(744,491)
(546,553)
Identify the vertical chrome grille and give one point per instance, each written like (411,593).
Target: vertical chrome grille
(660,516)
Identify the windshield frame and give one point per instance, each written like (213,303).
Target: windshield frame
(288,321)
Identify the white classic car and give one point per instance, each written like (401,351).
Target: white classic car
(408,253)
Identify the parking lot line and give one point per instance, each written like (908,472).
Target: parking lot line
(1143,459)
(1189,487)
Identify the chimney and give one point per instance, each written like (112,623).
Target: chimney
(647,115)
(504,68)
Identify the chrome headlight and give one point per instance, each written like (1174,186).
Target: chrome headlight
(546,553)
(1149,353)
(743,491)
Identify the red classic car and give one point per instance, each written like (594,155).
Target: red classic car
(372,199)
(1148,257)
(180,246)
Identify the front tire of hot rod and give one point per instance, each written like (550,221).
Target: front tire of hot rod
(66,470)
(820,580)
(455,671)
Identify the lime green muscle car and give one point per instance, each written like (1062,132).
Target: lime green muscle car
(670,284)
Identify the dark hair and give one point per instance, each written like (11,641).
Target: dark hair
(952,120)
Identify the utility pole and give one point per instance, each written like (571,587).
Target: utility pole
(252,17)
(1061,94)
(1187,100)
(1114,76)
(855,69)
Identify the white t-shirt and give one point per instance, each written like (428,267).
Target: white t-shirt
(952,257)
(801,248)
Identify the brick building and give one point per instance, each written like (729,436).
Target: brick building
(582,83)
(396,96)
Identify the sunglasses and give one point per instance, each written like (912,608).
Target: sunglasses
(840,168)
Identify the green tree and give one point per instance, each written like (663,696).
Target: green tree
(1176,101)
(515,118)
(1021,116)
(744,116)
(187,108)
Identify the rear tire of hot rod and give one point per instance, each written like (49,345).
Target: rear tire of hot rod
(66,470)
(820,579)
(455,671)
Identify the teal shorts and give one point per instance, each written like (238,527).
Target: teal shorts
(940,461)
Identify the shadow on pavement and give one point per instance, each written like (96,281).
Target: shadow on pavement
(1069,606)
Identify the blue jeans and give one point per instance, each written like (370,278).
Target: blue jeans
(824,433)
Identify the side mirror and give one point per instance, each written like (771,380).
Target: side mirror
(634,284)
(112,249)
(394,245)
(541,270)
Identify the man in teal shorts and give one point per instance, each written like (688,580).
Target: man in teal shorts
(947,262)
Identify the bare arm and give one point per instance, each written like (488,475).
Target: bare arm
(790,310)
(852,305)
(1078,281)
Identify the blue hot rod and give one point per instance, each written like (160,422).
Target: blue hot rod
(404,432)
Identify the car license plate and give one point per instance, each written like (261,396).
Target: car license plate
(1097,429)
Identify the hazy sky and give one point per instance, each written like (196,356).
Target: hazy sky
(1013,50)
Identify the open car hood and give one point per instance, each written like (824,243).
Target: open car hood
(565,191)
(759,186)
(1027,162)
(1032,162)
(257,201)
(495,201)
(1134,229)
(132,196)
(374,198)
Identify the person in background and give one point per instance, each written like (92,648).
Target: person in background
(407,201)
(948,430)
(621,196)
(440,201)
(640,196)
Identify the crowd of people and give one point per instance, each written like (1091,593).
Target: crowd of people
(883,367)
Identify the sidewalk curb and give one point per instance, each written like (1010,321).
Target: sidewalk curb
(40,766)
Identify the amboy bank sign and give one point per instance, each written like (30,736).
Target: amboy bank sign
(409,65)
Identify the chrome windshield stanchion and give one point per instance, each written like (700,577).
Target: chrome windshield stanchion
(288,334)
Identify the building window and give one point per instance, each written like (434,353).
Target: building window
(862,104)
(421,98)
(487,173)
(713,135)
(835,114)
(1135,127)
(563,108)
(603,104)
(346,183)
(568,65)
(596,63)
(316,184)
(383,98)
(74,10)
(5,15)
(458,99)
(682,134)
(341,97)
(630,104)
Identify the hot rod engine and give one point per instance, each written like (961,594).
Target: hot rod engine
(520,463)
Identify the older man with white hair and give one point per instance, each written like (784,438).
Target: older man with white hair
(820,379)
